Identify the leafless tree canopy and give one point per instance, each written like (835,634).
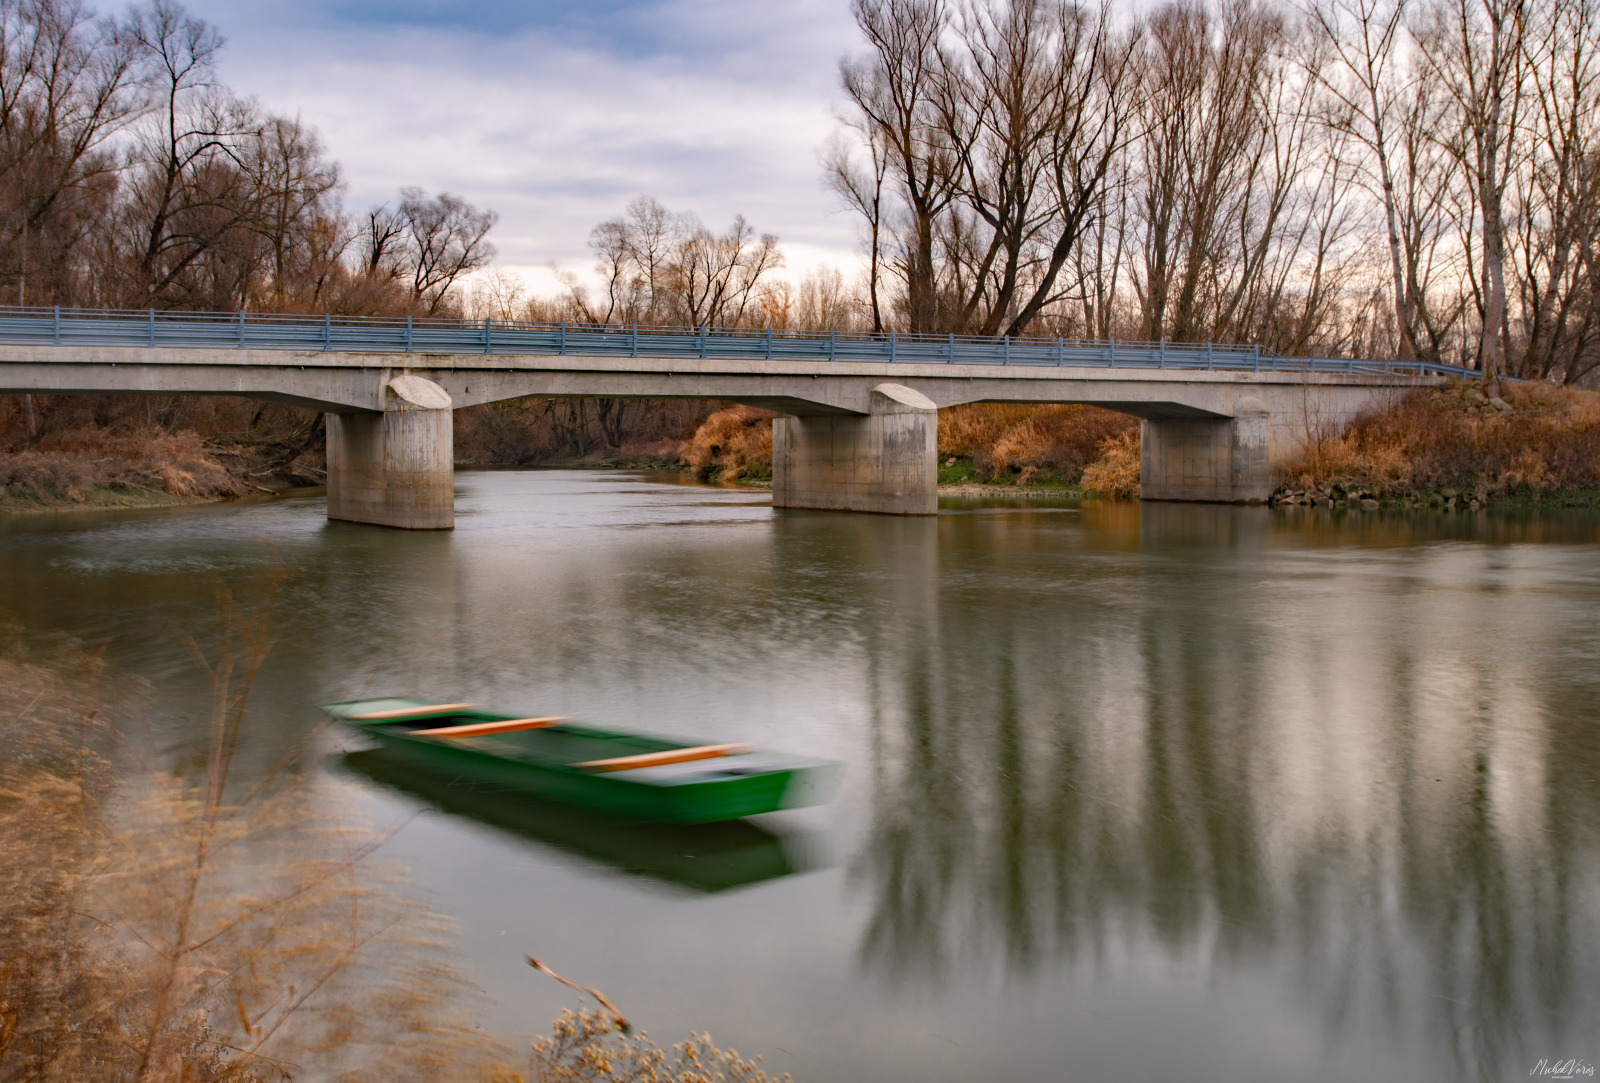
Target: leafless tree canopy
(1416,178)
(131,177)
(661,267)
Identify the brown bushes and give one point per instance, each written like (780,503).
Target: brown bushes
(1537,437)
(1116,472)
(586,1048)
(160,927)
(68,465)
(731,444)
(106,448)
(1027,442)
(1016,444)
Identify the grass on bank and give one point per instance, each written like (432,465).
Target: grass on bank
(190,925)
(1536,444)
(1533,444)
(1060,448)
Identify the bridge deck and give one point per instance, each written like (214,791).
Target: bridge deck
(326,333)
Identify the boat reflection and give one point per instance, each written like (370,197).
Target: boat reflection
(700,857)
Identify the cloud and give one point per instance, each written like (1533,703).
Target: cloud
(557,114)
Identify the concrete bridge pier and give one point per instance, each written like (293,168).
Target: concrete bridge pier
(395,468)
(883,461)
(1215,459)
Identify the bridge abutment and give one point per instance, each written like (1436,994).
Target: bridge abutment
(393,469)
(1222,460)
(885,461)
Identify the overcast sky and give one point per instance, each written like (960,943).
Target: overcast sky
(557,113)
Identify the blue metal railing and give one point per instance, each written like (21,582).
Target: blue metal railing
(255,331)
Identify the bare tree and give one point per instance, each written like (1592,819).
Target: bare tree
(1363,36)
(66,90)
(897,89)
(446,237)
(862,189)
(1556,220)
(656,264)
(1477,50)
(187,164)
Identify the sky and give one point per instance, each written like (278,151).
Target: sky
(556,114)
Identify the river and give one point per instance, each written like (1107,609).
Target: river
(1159,792)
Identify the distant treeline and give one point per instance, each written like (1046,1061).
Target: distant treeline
(130,177)
(1413,178)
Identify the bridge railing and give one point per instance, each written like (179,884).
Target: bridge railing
(346,334)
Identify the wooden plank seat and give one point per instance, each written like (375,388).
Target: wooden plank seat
(480,729)
(660,759)
(412,712)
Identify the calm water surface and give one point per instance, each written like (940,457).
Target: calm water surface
(1129,793)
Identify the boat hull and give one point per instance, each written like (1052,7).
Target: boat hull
(685,803)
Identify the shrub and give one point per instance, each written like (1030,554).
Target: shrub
(586,1048)
(67,465)
(1543,438)
(1116,472)
(731,444)
(1027,441)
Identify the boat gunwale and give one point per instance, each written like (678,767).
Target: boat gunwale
(389,729)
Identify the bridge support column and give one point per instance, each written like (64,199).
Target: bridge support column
(396,468)
(885,461)
(1221,460)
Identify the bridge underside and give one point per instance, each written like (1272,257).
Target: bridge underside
(848,436)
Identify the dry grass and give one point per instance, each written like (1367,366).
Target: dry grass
(192,926)
(1543,439)
(731,444)
(1116,472)
(1016,444)
(67,466)
(1025,443)
(587,1048)
(189,925)
(72,449)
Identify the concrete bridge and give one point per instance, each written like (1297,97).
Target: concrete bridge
(857,415)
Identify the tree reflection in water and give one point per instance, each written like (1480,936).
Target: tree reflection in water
(1205,738)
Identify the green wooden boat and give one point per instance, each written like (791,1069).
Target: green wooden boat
(628,774)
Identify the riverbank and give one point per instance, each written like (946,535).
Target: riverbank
(1455,446)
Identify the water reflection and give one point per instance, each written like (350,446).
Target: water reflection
(1189,740)
(1322,787)
(701,857)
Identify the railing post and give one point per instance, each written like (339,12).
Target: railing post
(488,331)
(704,335)
(891,347)
(950,354)
(327,331)
(830,344)
(56,331)
(1161,354)
(561,337)
(241,331)
(1210,358)
(408,334)
(769,344)
(1061,350)
(1113,353)
(152,328)
(1257,364)
(1005,350)
(633,342)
